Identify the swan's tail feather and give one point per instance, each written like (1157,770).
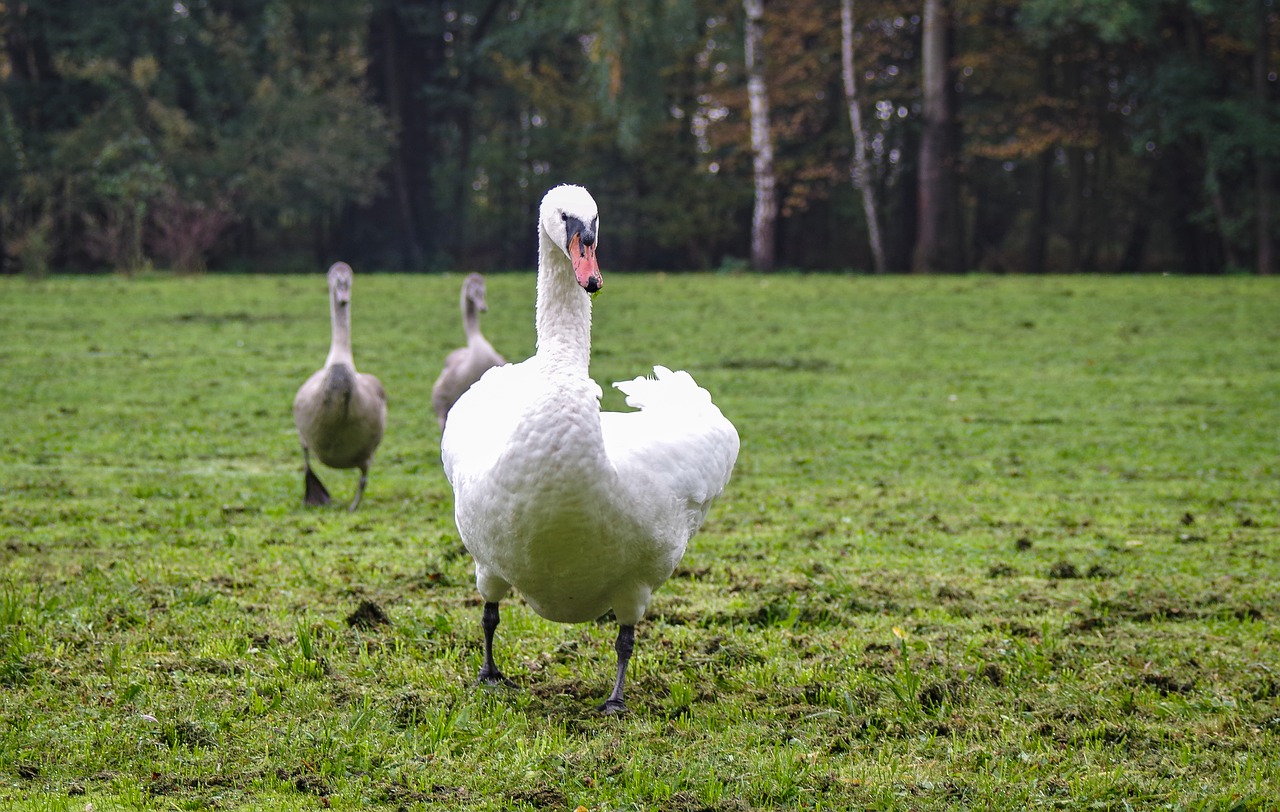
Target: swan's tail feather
(664,389)
(678,436)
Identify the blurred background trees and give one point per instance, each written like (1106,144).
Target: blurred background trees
(1073,135)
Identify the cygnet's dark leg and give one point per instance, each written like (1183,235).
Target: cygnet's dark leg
(364,480)
(489,673)
(624,645)
(313,490)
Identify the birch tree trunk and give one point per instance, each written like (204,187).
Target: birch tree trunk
(861,169)
(765,215)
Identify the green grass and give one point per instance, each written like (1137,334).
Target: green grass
(991,543)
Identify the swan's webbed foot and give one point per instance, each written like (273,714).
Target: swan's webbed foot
(491,676)
(314,492)
(612,707)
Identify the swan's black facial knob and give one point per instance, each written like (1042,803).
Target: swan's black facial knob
(573,227)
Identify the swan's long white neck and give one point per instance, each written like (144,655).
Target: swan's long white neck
(470,319)
(563,311)
(340,346)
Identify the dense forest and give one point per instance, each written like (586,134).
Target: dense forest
(937,136)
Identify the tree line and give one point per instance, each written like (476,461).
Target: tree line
(938,136)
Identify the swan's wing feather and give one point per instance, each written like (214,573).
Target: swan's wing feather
(483,353)
(450,385)
(452,362)
(374,387)
(678,438)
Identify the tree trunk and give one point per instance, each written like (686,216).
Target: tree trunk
(765,215)
(862,179)
(1213,186)
(1038,241)
(397,219)
(937,241)
(413,254)
(1077,183)
(1135,246)
(1262,169)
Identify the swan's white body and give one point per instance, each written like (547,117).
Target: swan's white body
(581,511)
(465,365)
(340,413)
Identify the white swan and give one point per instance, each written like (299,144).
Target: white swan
(465,365)
(578,510)
(340,413)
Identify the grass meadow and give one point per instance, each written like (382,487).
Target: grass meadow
(991,543)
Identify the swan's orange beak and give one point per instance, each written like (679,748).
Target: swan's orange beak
(585,268)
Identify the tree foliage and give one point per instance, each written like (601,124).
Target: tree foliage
(419,134)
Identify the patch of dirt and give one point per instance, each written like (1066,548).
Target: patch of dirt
(212,665)
(577,690)
(777,613)
(1001,570)
(993,674)
(230,585)
(1088,624)
(947,592)
(1022,630)
(1167,685)
(238,316)
(187,734)
(403,796)
(688,802)
(677,616)
(162,784)
(542,797)
(408,710)
(782,364)
(691,573)
(308,783)
(1159,607)
(936,694)
(1063,570)
(367,616)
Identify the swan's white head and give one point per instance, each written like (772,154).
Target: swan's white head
(570,219)
(473,293)
(340,283)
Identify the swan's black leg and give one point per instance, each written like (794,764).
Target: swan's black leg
(313,490)
(489,673)
(364,480)
(624,645)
